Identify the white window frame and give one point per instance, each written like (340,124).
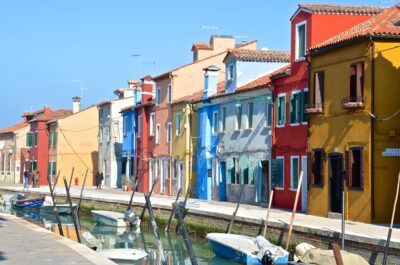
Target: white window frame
(169,132)
(297,110)
(139,131)
(222,121)
(158,96)
(152,123)
(238,118)
(304,90)
(157,133)
(108,133)
(298,25)
(125,125)
(291,171)
(169,95)
(269,110)
(151,172)
(248,116)
(281,95)
(178,124)
(230,72)
(9,160)
(283,172)
(214,124)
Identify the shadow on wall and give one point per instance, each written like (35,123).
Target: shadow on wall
(95,166)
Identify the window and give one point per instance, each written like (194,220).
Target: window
(169,128)
(319,84)
(214,128)
(36,140)
(294,172)
(9,162)
(51,168)
(356,82)
(178,124)
(151,172)
(53,139)
(317,167)
(169,94)
(238,116)
(281,110)
(223,119)
(125,125)
(303,106)
(295,107)
(234,171)
(33,165)
(230,72)
(158,96)
(101,135)
(268,112)
(355,167)
(152,123)
(108,133)
(139,127)
(3,162)
(277,172)
(301,40)
(250,115)
(158,134)
(29,139)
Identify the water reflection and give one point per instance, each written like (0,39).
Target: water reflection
(106,237)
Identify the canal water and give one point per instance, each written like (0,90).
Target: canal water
(106,237)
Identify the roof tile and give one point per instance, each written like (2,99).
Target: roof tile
(342,9)
(13,128)
(259,55)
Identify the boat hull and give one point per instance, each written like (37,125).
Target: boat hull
(232,254)
(29,203)
(110,218)
(124,254)
(61,208)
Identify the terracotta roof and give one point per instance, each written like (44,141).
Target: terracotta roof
(183,66)
(201,46)
(262,81)
(342,9)
(259,55)
(33,113)
(190,98)
(281,72)
(13,128)
(55,115)
(147,78)
(244,44)
(382,25)
(127,108)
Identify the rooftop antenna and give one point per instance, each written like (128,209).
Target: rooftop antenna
(212,28)
(82,88)
(140,63)
(242,37)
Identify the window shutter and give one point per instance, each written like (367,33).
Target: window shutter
(362,167)
(322,168)
(54,139)
(278,111)
(49,168)
(36,138)
(284,110)
(359,74)
(274,172)
(302,106)
(229,171)
(292,109)
(310,172)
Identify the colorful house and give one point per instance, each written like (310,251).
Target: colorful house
(111,137)
(232,124)
(73,145)
(12,144)
(177,83)
(38,140)
(310,25)
(354,98)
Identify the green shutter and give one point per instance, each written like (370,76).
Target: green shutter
(53,173)
(251,171)
(34,165)
(274,172)
(54,139)
(283,106)
(36,138)
(278,111)
(244,170)
(303,105)
(295,172)
(49,168)
(292,108)
(229,171)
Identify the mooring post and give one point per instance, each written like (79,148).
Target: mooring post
(83,187)
(70,182)
(133,193)
(184,207)
(55,210)
(172,211)
(230,225)
(144,208)
(155,229)
(294,210)
(186,238)
(271,196)
(337,254)
(55,181)
(73,213)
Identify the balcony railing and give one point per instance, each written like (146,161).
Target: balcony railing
(315,108)
(353,103)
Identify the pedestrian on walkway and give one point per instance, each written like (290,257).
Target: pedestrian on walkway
(26,179)
(33,177)
(97,179)
(37,178)
(101,179)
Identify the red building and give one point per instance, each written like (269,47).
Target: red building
(144,141)
(310,25)
(38,140)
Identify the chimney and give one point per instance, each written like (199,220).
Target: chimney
(210,81)
(47,109)
(134,85)
(76,104)
(147,89)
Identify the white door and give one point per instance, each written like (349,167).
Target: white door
(162,172)
(304,188)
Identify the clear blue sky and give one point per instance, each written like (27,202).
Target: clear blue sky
(45,44)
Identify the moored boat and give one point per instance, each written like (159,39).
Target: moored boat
(114,218)
(123,254)
(62,208)
(21,201)
(246,249)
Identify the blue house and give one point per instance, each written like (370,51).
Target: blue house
(129,136)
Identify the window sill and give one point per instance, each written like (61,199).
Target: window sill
(280,126)
(299,59)
(248,129)
(304,123)
(278,188)
(356,189)
(293,189)
(237,130)
(294,124)
(221,132)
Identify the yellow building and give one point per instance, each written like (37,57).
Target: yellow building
(184,138)
(354,116)
(73,146)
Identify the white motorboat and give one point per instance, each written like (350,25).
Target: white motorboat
(246,249)
(115,218)
(123,254)
(62,208)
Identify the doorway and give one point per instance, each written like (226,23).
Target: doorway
(335,182)
(222,181)
(304,188)
(264,181)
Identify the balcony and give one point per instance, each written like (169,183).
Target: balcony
(353,103)
(316,108)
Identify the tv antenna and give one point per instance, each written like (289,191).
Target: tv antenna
(82,88)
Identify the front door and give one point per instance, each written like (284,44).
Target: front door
(264,181)
(335,182)
(222,182)
(304,188)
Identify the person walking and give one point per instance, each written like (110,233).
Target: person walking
(26,179)
(37,177)
(101,179)
(33,176)
(97,179)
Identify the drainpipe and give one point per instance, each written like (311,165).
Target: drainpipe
(170,114)
(188,146)
(372,168)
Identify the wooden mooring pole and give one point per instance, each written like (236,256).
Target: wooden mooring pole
(55,210)
(186,238)
(83,187)
(230,225)
(70,182)
(172,212)
(294,210)
(271,196)
(73,213)
(149,193)
(133,193)
(391,222)
(336,253)
(184,207)
(155,229)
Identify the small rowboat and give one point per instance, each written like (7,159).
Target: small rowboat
(115,219)
(123,254)
(27,203)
